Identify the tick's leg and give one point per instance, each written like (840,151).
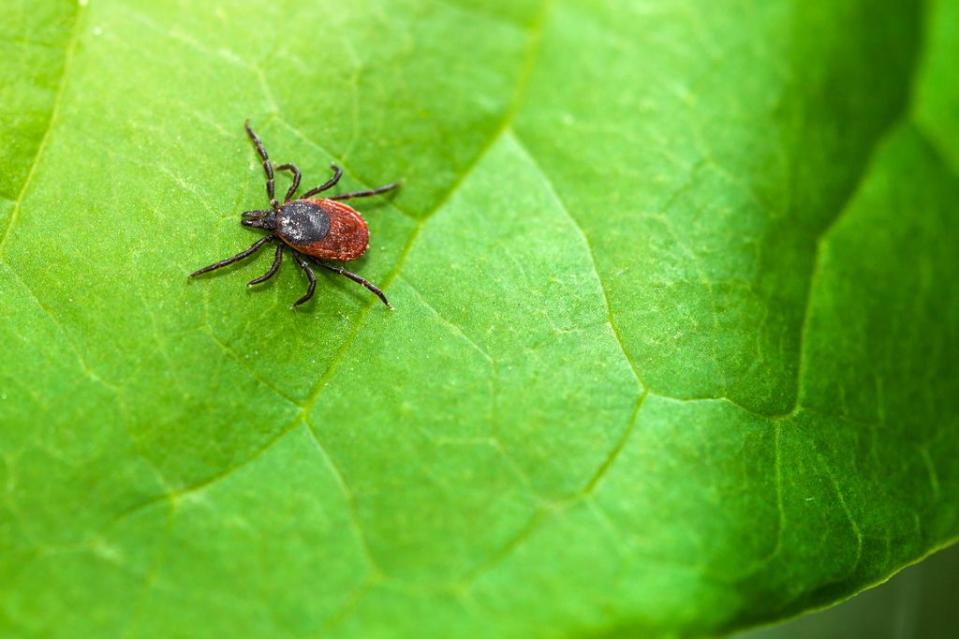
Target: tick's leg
(296,179)
(236,258)
(329,184)
(376,191)
(267,166)
(356,278)
(277,258)
(309,275)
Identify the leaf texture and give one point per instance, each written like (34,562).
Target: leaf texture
(676,329)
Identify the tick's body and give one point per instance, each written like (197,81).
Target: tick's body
(320,228)
(325,229)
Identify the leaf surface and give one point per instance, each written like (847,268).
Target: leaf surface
(676,329)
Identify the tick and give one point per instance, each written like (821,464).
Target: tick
(313,228)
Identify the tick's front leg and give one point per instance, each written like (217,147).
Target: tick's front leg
(236,258)
(267,165)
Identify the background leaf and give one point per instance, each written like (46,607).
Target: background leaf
(676,330)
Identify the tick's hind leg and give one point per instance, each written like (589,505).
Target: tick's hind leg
(236,258)
(277,258)
(296,179)
(309,275)
(367,193)
(267,166)
(359,280)
(329,184)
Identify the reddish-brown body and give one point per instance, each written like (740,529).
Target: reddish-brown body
(345,237)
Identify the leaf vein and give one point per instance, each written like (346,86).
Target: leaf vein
(45,140)
(532,51)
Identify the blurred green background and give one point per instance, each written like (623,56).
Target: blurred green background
(921,602)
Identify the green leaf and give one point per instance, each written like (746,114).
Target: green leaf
(676,333)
